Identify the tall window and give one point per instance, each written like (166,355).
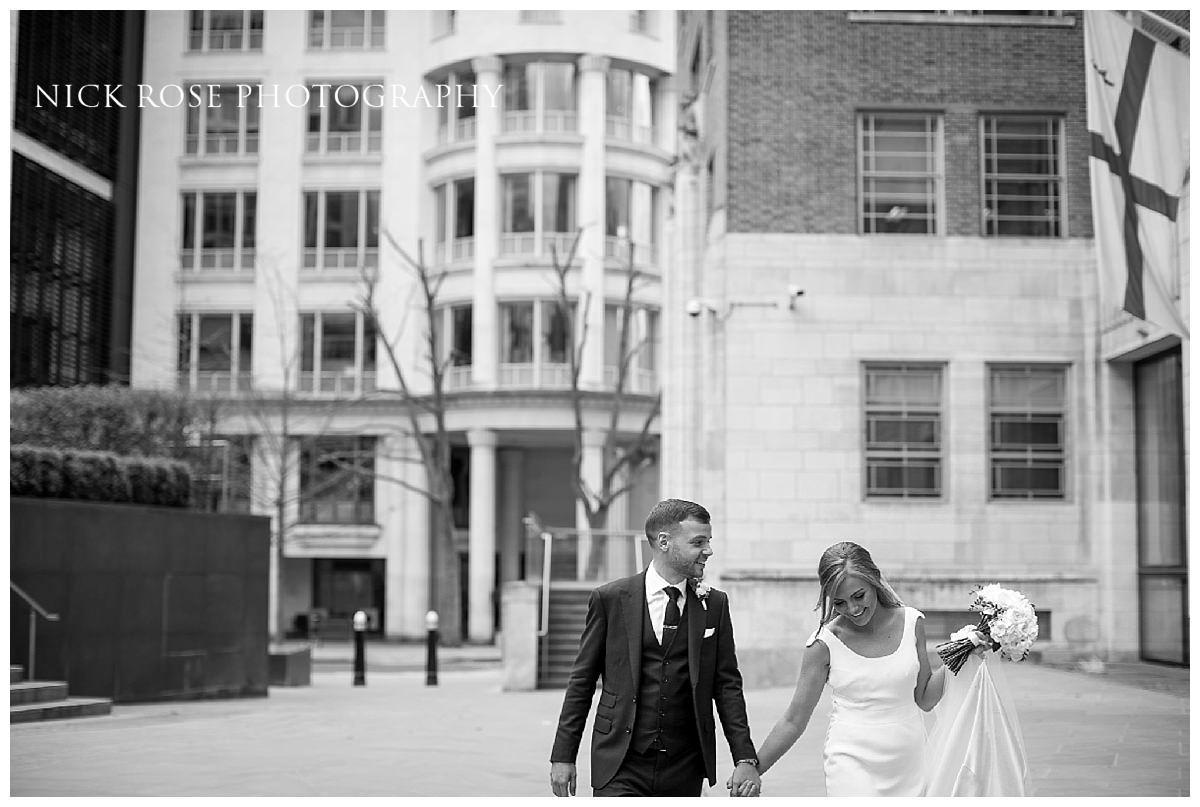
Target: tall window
(1022,175)
(456,116)
(540,97)
(453,333)
(337,480)
(629,105)
(631,214)
(337,354)
(226,30)
(900,176)
(640,350)
(226,123)
(341,121)
(346,29)
(1027,441)
(221,473)
(454,221)
(341,229)
(218,230)
(216,352)
(535,338)
(903,430)
(537,213)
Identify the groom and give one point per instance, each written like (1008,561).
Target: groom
(665,652)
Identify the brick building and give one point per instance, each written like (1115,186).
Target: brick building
(948,390)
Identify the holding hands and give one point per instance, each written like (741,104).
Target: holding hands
(745,780)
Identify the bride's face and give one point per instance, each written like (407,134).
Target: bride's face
(855,601)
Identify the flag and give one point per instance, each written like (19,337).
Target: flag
(1137,104)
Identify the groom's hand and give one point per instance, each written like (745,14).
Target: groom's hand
(745,781)
(562,778)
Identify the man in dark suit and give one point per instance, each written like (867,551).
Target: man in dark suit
(666,655)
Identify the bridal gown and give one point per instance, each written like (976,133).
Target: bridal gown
(875,745)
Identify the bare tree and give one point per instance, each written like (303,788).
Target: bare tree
(426,415)
(623,455)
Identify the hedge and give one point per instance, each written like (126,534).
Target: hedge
(98,476)
(125,421)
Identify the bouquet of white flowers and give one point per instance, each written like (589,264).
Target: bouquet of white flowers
(1007,620)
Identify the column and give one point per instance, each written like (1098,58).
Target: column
(484,353)
(593,71)
(481,558)
(512,528)
(592,471)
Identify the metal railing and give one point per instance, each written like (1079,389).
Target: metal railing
(35,611)
(569,556)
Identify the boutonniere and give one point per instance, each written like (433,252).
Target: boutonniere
(701,588)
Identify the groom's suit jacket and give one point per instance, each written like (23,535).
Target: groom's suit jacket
(611,647)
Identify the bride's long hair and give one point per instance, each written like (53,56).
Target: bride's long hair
(848,558)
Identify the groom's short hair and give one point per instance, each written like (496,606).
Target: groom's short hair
(668,513)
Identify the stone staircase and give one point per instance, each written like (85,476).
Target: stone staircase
(30,701)
(568,611)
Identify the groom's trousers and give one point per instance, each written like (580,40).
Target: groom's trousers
(657,773)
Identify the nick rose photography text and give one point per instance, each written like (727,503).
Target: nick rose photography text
(373,95)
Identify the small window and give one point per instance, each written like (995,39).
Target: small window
(345,118)
(1022,176)
(225,30)
(903,430)
(341,229)
(1027,431)
(218,230)
(216,352)
(900,174)
(226,124)
(339,30)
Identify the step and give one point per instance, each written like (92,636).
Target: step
(36,692)
(57,710)
(15,673)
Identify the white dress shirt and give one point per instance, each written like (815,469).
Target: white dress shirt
(656,599)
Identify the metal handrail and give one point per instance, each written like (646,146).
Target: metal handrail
(35,610)
(548,545)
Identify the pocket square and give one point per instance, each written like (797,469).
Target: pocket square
(709,632)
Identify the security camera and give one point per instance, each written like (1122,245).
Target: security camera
(694,307)
(795,291)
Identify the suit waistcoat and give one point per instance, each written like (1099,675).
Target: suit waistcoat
(665,716)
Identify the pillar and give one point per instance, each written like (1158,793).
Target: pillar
(484,353)
(481,559)
(593,72)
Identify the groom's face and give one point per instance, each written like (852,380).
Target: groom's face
(688,547)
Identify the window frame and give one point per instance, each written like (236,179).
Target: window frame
(1030,454)
(353,380)
(1058,179)
(197,135)
(454,126)
(363,451)
(903,454)
(537,118)
(232,380)
(206,32)
(538,241)
(364,254)
(937,176)
(374,30)
(538,372)
(238,258)
(324,105)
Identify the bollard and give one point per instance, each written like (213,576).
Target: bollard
(360,661)
(431,641)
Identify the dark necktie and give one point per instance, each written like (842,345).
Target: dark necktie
(671,619)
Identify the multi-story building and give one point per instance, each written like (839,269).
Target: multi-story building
(947,390)
(74,168)
(323,143)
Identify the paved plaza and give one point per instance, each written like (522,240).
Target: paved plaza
(1122,733)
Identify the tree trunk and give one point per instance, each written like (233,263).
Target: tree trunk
(447,584)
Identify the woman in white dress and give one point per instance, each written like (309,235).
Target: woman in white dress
(870,648)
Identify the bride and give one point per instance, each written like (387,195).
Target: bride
(870,648)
